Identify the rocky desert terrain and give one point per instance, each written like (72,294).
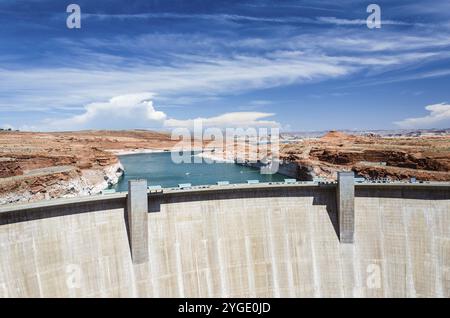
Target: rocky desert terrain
(36,166)
(372,157)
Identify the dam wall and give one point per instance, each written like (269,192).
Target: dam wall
(235,241)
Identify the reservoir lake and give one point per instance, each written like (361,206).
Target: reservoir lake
(159,169)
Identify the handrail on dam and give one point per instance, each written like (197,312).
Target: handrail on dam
(55,203)
(62,202)
(211,188)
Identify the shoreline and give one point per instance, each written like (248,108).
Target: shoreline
(206,154)
(209,156)
(138,151)
(88,182)
(123,152)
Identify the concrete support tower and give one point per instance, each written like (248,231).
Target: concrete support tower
(137,209)
(346,206)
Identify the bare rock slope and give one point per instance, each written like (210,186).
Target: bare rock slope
(36,166)
(373,157)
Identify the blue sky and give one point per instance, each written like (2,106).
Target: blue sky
(299,65)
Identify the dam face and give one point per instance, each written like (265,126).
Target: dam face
(248,241)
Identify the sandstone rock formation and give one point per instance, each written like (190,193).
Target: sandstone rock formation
(372,156)
(36,166)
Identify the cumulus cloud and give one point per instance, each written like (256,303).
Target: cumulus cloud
(136,111)
(228,120)
(439,116)
(120,112)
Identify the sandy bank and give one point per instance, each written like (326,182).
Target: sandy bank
(207,155)
(124,152)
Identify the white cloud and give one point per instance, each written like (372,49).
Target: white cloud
(337,21)
(439,116)
(215,17)
(393,42)
(206,77)
(228,120)
(136,111)
(243,18)
(195,74)
(121,112)
(189,69)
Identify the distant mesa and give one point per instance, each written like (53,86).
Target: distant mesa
(334,135)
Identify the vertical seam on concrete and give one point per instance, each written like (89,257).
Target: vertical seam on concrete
(198,275)
(223,278)
(290,272)
(208,269)
(316,276)
(249,258)
(222,272)
(342,263)
(38,276)
(134,287)
(358,288)
(409,272)
(384,270)
(179,269)
(248,255)
(342,252)
(272,256)
(153,280)
(435,257)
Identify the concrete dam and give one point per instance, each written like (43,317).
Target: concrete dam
(256,240)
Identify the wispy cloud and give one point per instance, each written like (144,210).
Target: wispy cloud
(340,21)
(168,15)
(326,7)
(93,75)
(196,56)
(66,86)
(247,18)
(439,116)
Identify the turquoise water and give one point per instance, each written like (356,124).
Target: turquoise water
(159,169)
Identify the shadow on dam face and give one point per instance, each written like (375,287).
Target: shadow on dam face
(321,197)
(324,196)
(41,211)
(413,193)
